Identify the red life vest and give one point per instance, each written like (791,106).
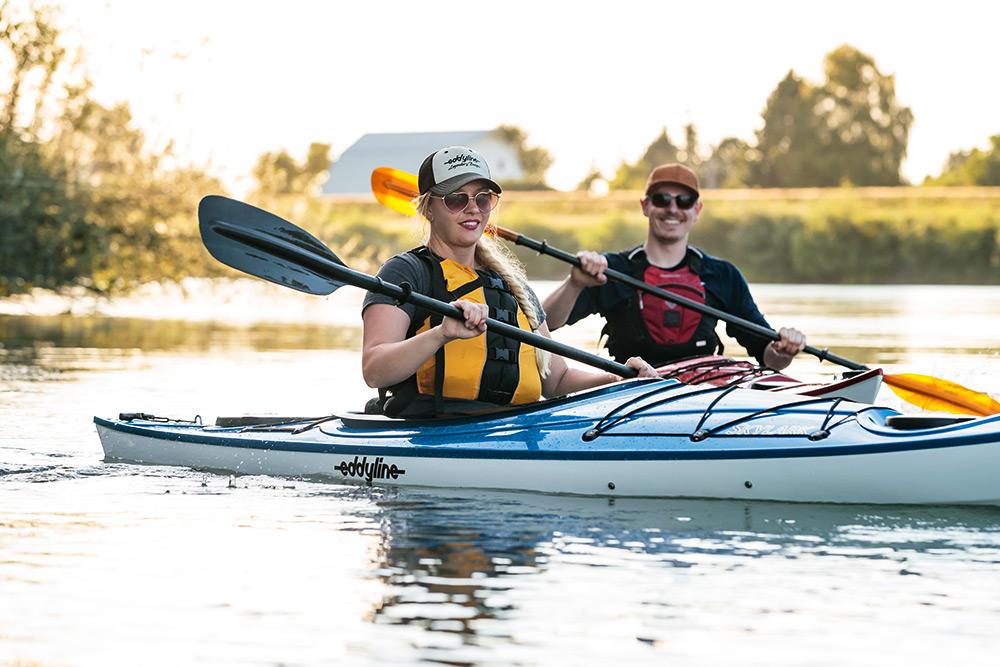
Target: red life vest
(646,326)
(668,323)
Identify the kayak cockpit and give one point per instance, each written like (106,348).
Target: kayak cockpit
(925,421)
(890,422)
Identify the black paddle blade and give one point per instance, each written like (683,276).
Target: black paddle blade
(262,244)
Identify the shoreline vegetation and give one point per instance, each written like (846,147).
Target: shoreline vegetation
(886,235)
(866,236)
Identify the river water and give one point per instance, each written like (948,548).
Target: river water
(119,564)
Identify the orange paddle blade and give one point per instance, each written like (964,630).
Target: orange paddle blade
(395,189)
(932,393)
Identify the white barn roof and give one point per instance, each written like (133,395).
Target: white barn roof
(351,173)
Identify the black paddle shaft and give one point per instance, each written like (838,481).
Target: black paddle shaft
(544,248)
(404,294)
(297,261)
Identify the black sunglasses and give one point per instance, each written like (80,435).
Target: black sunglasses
(457,201)
(662,200)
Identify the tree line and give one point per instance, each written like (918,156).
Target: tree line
(85,200)
(849,129)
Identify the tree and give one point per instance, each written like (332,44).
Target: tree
(865,127)
(689,155)
(81,199)
(633,176)
(729,165)
(850,130)
(788,149)
(594,183)
(137,214)
(593,175)
(33,44)
(535,161)
(278,173)
(661,151)
(975,167)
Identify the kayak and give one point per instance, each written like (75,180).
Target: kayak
(642,438)
(857,386)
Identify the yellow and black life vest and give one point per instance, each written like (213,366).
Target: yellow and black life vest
(488,369)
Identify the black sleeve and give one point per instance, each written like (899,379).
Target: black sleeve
(397,270)
(741,304)
(601,299)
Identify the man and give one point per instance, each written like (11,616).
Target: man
(639,324)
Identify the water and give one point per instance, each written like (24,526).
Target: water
(120,564)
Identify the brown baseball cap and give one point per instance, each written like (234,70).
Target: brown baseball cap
(673,173)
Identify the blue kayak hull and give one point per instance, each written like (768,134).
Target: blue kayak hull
(636,438)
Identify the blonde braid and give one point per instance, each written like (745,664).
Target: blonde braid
(499,258)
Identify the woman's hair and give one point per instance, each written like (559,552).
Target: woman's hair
(498,257)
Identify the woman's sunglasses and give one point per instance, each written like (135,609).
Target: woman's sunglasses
(457,201)
(662,200)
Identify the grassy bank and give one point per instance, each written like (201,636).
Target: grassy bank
(863,236)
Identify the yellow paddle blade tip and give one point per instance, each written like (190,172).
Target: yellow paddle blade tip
(931,393)
(395,189)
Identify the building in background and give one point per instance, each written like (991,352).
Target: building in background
(351,173)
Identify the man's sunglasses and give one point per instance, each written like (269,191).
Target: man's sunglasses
(662,200)
(457,201)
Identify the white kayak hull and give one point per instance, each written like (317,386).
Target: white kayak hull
(864,461)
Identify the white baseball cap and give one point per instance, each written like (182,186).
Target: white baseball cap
(448,169)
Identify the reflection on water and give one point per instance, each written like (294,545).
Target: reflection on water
(189,567)
(457,535)
(260,570)
(930,326)
(490,572)
(440,564)
(28,335)
(892,324)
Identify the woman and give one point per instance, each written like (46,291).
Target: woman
(423,363)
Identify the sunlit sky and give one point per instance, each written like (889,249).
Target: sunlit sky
(592,82)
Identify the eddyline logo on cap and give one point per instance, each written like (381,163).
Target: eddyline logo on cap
(673,173)
(450,168)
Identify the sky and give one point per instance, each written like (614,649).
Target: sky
(592,82)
